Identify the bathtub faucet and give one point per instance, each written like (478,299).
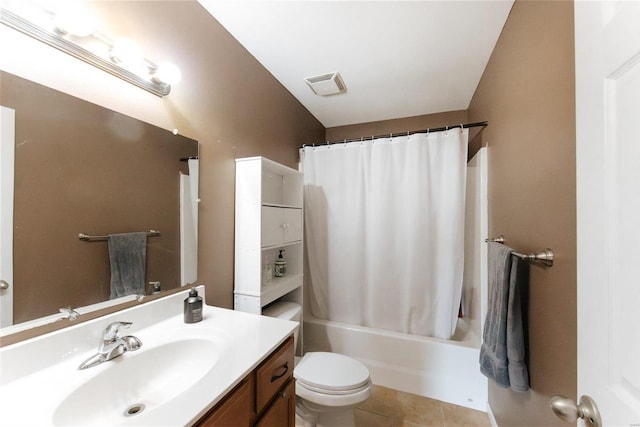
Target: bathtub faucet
(112,345)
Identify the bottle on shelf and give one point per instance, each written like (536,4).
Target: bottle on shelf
(280,265)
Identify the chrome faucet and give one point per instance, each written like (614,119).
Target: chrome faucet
(69,313)
(112,345)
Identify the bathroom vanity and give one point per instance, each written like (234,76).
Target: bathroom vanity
(230,369)
(265,397)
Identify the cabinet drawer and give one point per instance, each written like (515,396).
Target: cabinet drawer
(273,374)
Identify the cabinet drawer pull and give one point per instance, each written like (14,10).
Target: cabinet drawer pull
(281,374)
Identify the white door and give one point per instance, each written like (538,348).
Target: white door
(7,144)
(608,196)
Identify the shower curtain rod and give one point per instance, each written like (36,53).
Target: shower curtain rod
(391,135)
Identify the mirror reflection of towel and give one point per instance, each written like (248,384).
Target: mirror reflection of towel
(128,257)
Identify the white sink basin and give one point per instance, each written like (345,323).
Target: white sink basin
(180,371)
(138,382)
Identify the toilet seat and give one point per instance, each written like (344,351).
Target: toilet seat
(322,402)
(331,374)
(333,392)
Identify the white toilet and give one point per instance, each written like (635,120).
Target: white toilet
(328,385)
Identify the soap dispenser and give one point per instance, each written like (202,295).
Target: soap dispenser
(193,307)
(280,265)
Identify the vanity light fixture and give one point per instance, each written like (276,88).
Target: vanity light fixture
(122,58)
(74,23)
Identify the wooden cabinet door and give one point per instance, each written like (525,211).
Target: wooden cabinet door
(236,410)
(282,412)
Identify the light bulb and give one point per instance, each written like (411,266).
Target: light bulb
(167,73)
(74,22)
(127,52)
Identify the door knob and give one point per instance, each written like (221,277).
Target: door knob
(3,285)
(567,410)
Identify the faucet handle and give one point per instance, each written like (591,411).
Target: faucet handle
(111,331)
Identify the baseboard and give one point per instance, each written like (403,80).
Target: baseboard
(492,419)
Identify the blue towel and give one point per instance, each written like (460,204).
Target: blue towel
(128,256)
(503,351)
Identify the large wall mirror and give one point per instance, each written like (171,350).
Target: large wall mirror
(81,168)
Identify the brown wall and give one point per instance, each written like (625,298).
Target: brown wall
(527,95)
(235,108)
(80,167)
(240,110)
(227,101)
(406,124)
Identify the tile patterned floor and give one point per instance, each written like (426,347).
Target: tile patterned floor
(391,408)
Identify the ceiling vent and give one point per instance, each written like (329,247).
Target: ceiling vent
(326,84)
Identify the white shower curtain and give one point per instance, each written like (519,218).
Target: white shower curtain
(384,223)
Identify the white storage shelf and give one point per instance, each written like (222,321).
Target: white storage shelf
(269,218)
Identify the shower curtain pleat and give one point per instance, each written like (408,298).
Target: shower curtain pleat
(384,223)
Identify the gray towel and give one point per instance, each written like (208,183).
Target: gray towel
(503,351)
(128,256)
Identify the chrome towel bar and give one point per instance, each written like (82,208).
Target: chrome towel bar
(544,257)
(87,238)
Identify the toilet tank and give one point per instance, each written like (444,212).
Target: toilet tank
(285,310)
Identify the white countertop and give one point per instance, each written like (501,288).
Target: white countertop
(37,375)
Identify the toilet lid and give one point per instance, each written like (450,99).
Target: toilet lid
(331,372)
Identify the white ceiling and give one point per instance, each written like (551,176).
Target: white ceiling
(397,58)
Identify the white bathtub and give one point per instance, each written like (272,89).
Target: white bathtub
(430,367)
